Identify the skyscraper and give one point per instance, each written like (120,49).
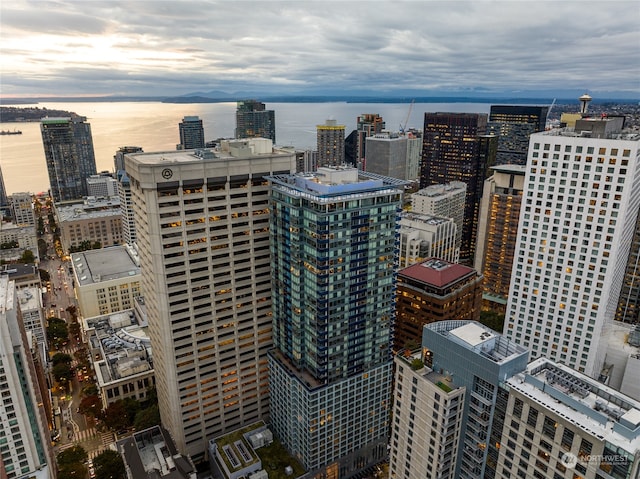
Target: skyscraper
(330,144)
(333,245)
(581,200)
(191,133)
(514,124)
(497,233)
(24,433)
(367,125)
(395,155)
(253,120)
(629,302)
(202,223)
(68,150)
(455,148)
(4,202)
(118,158)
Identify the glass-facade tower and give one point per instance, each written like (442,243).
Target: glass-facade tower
(333,246)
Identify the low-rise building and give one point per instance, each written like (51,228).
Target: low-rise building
(16,239)
(426,236)
(106,280)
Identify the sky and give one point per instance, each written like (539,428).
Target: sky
(151,48)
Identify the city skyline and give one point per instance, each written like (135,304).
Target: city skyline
(176,48)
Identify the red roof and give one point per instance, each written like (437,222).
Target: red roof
(436,272)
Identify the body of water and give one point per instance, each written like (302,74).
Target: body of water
(154,127)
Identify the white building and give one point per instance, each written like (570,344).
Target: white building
(25,442)
(102,185)
(426,236)
(394,155)
(16,240)
(106,280)
(202,220)
(580,203)
(447,201)
(22,209)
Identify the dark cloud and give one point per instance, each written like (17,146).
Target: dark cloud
(163,47)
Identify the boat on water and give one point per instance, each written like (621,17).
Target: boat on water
(10,132)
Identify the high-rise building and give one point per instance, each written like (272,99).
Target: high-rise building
(202,223)
(455,148)
(367,125)
(426,236)
(118,158)
(330,144)
(580,206)
(68,150)
(391,154)
(126,208)
(102,185)
(497,233)
(427,414)
(22,209)
(253,120)
(431,291)
(446,201)
(514,124)
(24,433)
(4,202)
(467,355)
(191,133)
(333,245)
(562,424)
(628,310)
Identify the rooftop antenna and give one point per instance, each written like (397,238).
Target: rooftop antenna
(584,103)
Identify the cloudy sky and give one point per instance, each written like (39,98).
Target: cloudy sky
(176,47)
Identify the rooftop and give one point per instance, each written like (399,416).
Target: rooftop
(28,299)
(435,191)
(588,404)
(513,169)
(437,272)
(424,218)
(106,264)
(90,207)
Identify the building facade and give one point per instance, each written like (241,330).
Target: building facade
(367,125)
(126,209)
(628,310)
(581,200)
(253,120)
(513,124)
(68,150)
(21,205)
(430,291)
(191,133)
(426,236)
(92,222)
(394,155)
(497,233)
(455,148)
(103,185)
(118,158)
(202,221)
(330,144)
(333,246)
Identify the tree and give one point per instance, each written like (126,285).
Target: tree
(146,418)
(62,372)
(42,247)
(57,331)
(44,275)
(91,406)
(28,257)
(90,390)
(71,463)
(108,465)
(61,358)
(493,320)
(115,416)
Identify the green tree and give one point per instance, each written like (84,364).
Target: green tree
(91,406)
(493,320)
(146,418)
(115,416)
(57,331)
(44,275)
(62,372)
(90,390)
(73,471)
(108,465)
(28,257)
(132,407)
(61,358)
(72,455)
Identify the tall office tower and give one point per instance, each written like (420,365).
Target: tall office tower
(446,201)
(22,209)
(68,150)
(514,124)
(367,124)
(628,310)
(126,208)
(431,291)
(333,246)
(391,154)
(497,233)
(24,434)
(581,199)
(427,414)
(455,148)
(118,158)
(426,236)
(4,202)
(253,120)
(470,355)
(330,144)
(191,133)
(202,223)
(306,160)
(102,185)
(562,424)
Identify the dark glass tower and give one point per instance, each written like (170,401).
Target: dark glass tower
(191,133)
(253,120)
(68,149)
(333,261)
(455,148)
(514,124)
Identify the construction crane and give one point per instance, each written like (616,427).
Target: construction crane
(404,126)
(549,111)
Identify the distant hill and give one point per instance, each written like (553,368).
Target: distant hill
(16,114)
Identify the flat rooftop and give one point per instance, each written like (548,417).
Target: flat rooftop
(424,218)
(28,299)
(437,272)
(106,264)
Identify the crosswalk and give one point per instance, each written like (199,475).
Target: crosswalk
(68,350)
(106,438)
